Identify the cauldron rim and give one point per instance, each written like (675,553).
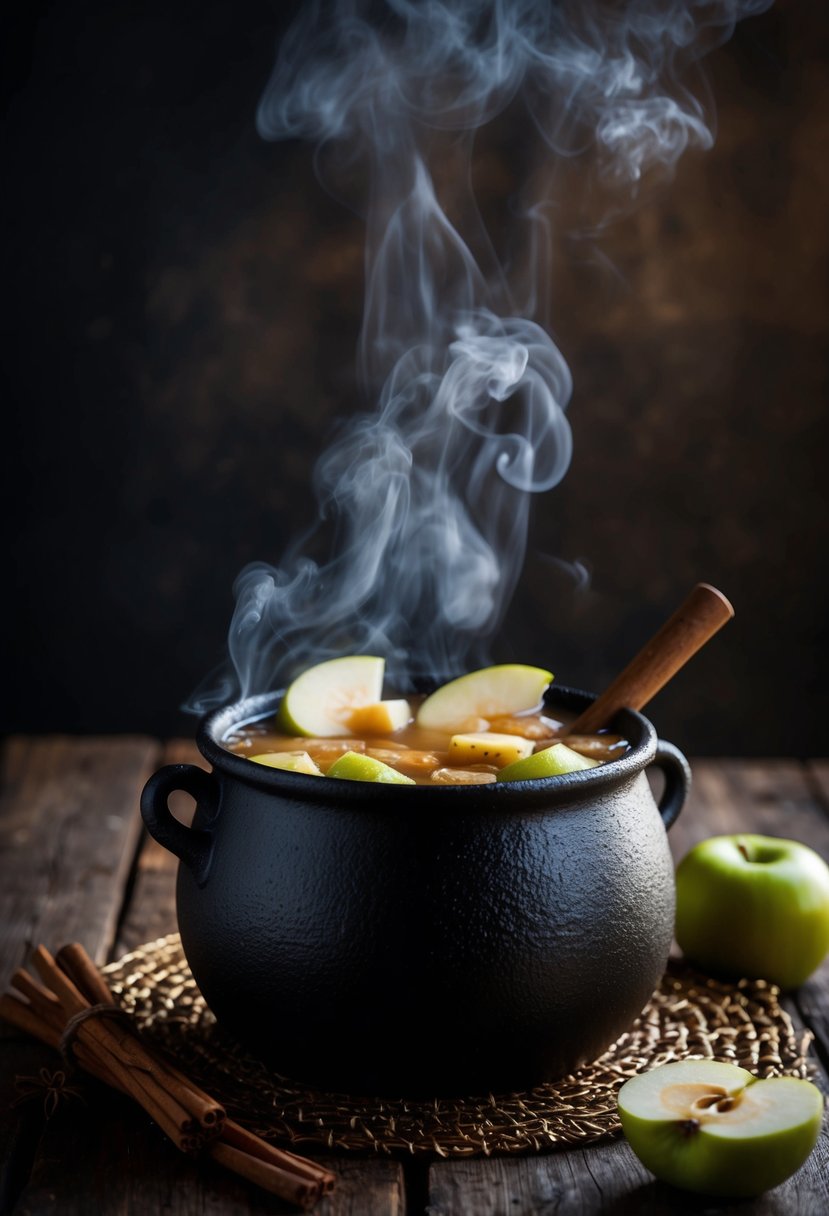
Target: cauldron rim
(216,725)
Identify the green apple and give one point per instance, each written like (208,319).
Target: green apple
(716,1129)
(753,906)
(321,700)
(292,762)
(550,762)
(355,767)
(507,689)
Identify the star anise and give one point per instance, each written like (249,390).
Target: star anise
(52,1087)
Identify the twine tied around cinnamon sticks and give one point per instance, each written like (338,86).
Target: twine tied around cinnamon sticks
(66,1045)
(74,1011)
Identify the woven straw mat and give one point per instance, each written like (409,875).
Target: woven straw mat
(689,1016)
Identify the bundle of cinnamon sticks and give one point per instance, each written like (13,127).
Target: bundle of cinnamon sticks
(74,1011)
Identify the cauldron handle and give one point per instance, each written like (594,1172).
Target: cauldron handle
(677,772)
(194,846)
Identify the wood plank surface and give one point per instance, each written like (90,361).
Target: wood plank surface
(771,797)
(777,798)
(69,830)
(105,1157)
(606,1179)
(151,912)
(121,1160)
(68,834)
(813,997)
(818,771)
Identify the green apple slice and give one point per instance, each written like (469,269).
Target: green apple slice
(507,689)
(551,762)
(319,702)
(715,1129)
(292,762)
(487,747)
(355,767)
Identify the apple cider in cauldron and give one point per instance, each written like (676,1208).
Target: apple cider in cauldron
(443,895)
(483,727)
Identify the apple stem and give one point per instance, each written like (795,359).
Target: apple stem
(742,849)
(689,1127)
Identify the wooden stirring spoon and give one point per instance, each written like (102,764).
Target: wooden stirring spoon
(696,620)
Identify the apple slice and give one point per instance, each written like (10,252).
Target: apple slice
(716,1129)
(551,762)
(355,767)
(292,762)
(321,700)
(382,718)
(507,689)
(487,747)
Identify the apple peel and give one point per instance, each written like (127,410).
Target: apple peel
(291,762)
(507,688)
(554,761)
(355,767)
(487,747)
(320,701)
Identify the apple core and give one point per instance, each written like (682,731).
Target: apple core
(714,1128)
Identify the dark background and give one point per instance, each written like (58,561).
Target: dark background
(181,304)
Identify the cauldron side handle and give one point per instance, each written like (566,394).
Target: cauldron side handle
(194,846)
(677,772)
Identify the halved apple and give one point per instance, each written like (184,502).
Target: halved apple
(355,767)
(506,689)
(321,700)
(292,762)
(551,762)
(716,1129)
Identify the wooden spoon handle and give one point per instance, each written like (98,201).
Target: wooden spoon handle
(704,612)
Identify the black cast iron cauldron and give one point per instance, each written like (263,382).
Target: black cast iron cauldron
(418,939)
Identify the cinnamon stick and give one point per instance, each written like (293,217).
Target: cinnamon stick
(703,612)
(125,1065)
(73,985)
(287,1184)
(23,1016)
(41,998)
(76,963)
(240,1138)
(26,1018)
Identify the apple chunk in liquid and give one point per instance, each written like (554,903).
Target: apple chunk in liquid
(333,709)
(422,751)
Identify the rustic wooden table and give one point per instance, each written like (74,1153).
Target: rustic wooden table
(74,865)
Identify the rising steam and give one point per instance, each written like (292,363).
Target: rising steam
(428,494)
